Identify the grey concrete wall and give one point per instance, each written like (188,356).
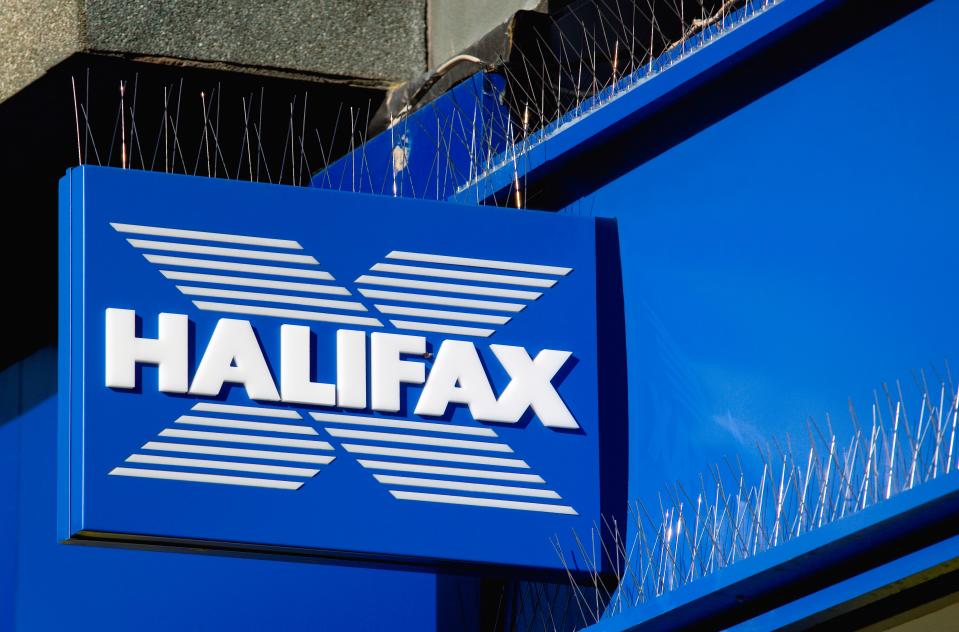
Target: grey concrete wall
(456,24)
(371,42)
(379,40)
(34,36)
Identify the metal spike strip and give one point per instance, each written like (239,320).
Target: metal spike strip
(591,60)
(727,517)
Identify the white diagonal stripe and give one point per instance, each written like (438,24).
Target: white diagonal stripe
(463,274)
(408,425)
(443,314)
(450,471)
(474,303)
(243,438)
(249,240)
(298,314)
(283,470)
(266,297)
(484,502)
(268,455)
(244,425)
(479,263)
(281,413)
(194,477)
(443,329)
(242,253)
(393,437)
(435,456)
(176,275)
(480,488)
(456,288)
(255,268)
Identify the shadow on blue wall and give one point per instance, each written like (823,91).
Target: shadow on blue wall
(45,585)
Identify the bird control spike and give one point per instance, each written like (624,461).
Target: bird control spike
(798,490)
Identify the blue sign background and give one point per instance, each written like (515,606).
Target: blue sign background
(341,509)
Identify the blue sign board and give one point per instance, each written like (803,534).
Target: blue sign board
(286,369)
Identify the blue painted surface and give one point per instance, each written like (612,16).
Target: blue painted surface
(814,554)
(793,255)
(901,569)
(746,32)
(9,494)
(429,154)
(342,508)
(97,588)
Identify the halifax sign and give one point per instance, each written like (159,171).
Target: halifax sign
(275,369)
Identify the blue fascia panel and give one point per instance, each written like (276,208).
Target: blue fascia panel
(854,545)
(575,132)
(87,588)
(430,153)
(930,560)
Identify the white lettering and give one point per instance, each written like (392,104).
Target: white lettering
(234,355)
(295,364)
(169,351)
(457,377)
(389,371)
(350,369)
(531,386)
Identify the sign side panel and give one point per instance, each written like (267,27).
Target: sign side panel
(65,188)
